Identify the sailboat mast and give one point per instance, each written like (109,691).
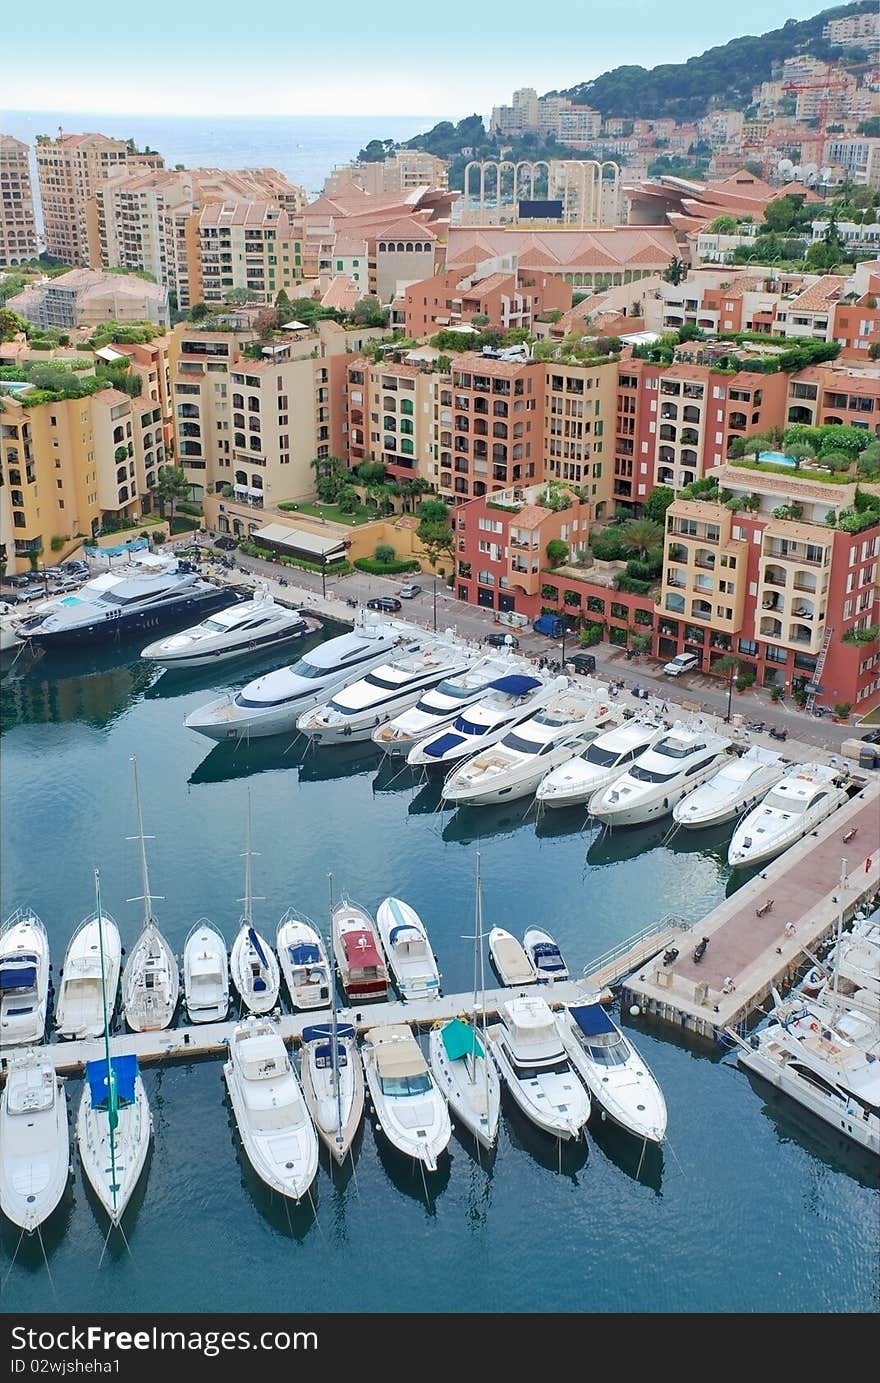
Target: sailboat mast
(248,880)
(333,1026)
(835,988)
(112,1117)
(145,880)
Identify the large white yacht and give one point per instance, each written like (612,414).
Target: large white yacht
(439,706)
(509,700)
(24,978)
(354,712)
(790,810)
(271,704)
(677,764)
(737,786)
(612,1070)
(597,764)
(514,767)
(247,626)
(536,1069)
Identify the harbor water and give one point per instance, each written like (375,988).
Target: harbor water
(748,1207)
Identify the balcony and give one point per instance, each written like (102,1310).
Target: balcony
(775,576)
(691,414)
(701,609)
(703,557)
(774,601)
(801,634)
(770,628)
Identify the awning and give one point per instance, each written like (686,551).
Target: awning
(247,490)
(460,1040)
(300,541)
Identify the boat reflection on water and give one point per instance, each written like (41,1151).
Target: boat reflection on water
(795,1124)
(317,765)
(565,821)
(242,759)
(468,824)
(394,776)
(95,687)
(568,1157)
(407,1175)
(609,846)
(639,1160)
(427,798)
(293,1219)
(170,683)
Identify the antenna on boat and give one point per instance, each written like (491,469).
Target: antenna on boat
(146,897)
(333,1024)
(248,898)
(112,1105)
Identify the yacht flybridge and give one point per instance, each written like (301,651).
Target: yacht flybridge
(247,626)
(509,700)
(439,706)
(676,765)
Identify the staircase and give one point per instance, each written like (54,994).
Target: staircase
(820,663)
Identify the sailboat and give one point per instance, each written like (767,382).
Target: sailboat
(459,1058)
(333,1077)
(114,1124)
(151,979)
(253,964)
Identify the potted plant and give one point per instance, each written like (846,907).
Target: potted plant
(775,693)
(842,710)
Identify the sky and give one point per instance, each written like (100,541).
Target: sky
(344,57)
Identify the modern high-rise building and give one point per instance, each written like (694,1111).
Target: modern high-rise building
(18,228)
(70,169)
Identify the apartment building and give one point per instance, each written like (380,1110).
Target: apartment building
(547,115)
(859,31)
(579,409)
(854,159)
(70,169)
(248,245)
(404,171)
(18,228)
(392,417)
(834,394)
(496,290)
(491,432)
(88,297)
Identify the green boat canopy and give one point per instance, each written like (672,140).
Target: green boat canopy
(460,1039)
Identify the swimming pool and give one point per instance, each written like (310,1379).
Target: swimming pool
(776,458)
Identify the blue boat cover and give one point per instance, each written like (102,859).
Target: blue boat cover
(125,1069)
(547,956)
(439,747)
(255,942)
(305,953)
(395,933)
(515,684)
(322,1032)
(18,977)
(592,1019)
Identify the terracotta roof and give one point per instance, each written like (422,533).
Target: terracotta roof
(531,516)
(560,250)
(342,293)
(407,228)
(819,295)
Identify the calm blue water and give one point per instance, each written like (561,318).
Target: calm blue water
(745,1211)
(303,147)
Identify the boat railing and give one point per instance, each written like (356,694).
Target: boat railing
(637,948)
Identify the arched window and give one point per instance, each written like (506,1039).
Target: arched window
(238,400)
(256,444)
(406,446)
(241,477)
(406,425)
(118,434)
(238,420)
(240,440)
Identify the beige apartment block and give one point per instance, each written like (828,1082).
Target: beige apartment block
(393,414)
(580,403)
(87,297)
(253,246)
(70,169)
(18,228)
(705,573)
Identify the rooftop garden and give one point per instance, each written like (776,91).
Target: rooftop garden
(123,334)
(833,454)
(51,381)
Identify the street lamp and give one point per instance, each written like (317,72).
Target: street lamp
(435,602)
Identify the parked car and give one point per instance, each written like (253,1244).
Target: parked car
(65,583)
(227,543)
(31,593)
(500,640)
(551,625)
(385,602)
(75,567)
(582,662)
(409,590)
(682,662)
(872,737)
(18,581)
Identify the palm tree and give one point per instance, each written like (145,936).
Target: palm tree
(641,536)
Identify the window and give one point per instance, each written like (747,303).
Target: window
(748,646)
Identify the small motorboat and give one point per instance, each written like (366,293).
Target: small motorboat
(509,959)
(545,955)
(274,1125)
(304,961)
(34,1139)
(411,1110)
(406,945)
(205,974)
(363,973)
(24,979)
(83,991)
(113,1130)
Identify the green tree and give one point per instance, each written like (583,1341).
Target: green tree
(347,500)
(435,530)
(384,552)
(368,472)
(199,311)
(869,127)
(434,511)
(722,225)
(11,324)
(237,297)
(821,258)
(171,485)
(658,501)
(557,552)
(799,452)
(783,213)
(674,271)
(640,537)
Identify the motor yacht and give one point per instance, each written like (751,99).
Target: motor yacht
(512,964)
(617,1078)
(509,700)
(247,626)
(144,595)
(438,706)
(408,951)
(411,1110)
(545,956)
(513,768)
(272,704)
(736,787)
(205,974)
(363,973)
(796,805)
(675,765)
(113,1129)
(24,979)
(597,764)
(34,1139)
(305,964)
(355,712)
(536,1069)
(82,997)
(275,1127)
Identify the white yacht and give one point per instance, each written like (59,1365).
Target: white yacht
(852,976)
(247,626)
(79,1007)
(205,974)
(150,979)
(439,706)
(807,794)
(275,1127)
(407,948)
(678,763)
(411,1110)
(597,764)
(24,979)
(820,1059)
(34,1139)
(513,768)
(271,704)
(254,969)
(509,700)
(113,1129)
(545,956)
(736,787)
(612,1070)
(536,1069)
(511,963)
(355,711)
(333,1085)
(305,964)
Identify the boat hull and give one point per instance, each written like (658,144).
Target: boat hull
(321,1100)
(745,859)
(120,626)
(35,1165)
(258,1001)
(131,1141)
(567,1124)
(23,1011)
(832,1111)
(150,983)
(652,809)
(472,1090)
(211,1005)
(635,1106)
(211,657)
